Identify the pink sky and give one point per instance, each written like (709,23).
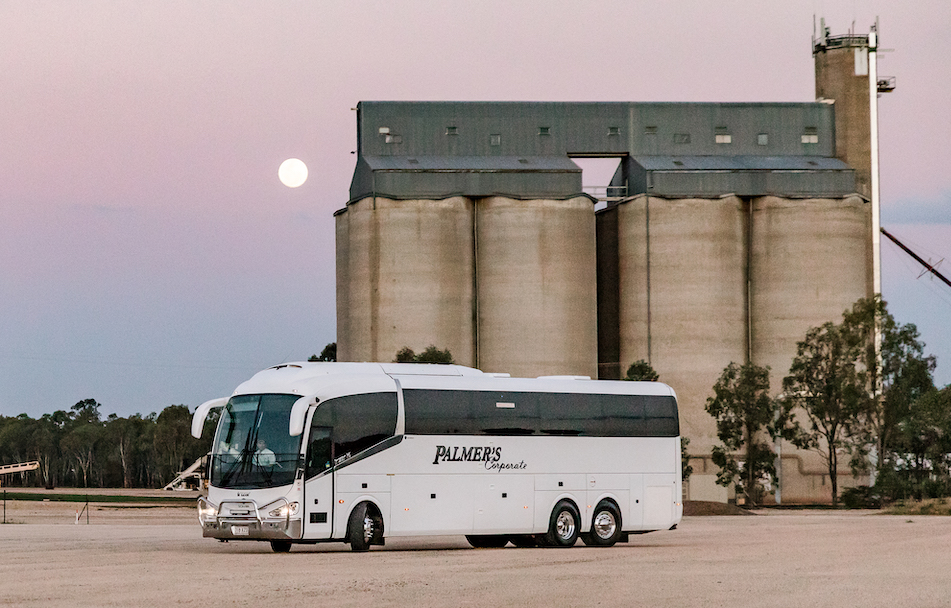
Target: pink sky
(150,256)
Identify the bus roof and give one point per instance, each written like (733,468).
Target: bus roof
(307,378)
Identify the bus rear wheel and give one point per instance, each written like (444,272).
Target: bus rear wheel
(605,526)
(563,526)
(487,541)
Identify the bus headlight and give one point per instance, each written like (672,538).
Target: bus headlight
(206,511)
(285,510)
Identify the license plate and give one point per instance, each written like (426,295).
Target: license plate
(239,530)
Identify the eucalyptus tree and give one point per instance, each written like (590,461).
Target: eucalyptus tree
(328,354)
(749,421)
(431,354)
(641,370)
(923,448)
(892,373)
(824,383)
(84,431)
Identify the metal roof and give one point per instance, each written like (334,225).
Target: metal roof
(523,149)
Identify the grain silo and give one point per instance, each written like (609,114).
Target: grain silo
(537,300)
(467,228)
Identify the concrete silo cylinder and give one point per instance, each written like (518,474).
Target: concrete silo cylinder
(537,296)
(682,269)
(811,261)
(404,278)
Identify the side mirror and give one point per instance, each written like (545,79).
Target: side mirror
(201,412)
(299,414)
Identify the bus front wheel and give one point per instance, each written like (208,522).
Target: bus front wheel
(563,526)
(364,528)
(280,546)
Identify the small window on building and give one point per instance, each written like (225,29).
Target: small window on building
(722,136)
(452,130)
(544,130)
(681,138)
(614,131)
(394,139)
(650,130)
(495,139)
(762,139)
(810,136)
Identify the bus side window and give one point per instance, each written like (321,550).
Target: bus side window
(362,421)
(319,452)
(347,425)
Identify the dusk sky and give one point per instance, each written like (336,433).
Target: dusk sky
(150,256)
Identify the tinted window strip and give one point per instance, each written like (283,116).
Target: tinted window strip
(448,412)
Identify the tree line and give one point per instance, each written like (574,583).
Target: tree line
(80,448)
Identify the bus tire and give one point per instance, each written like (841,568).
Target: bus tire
(362,527)
(605,525)
(487,541)
(281,546)
(563,526)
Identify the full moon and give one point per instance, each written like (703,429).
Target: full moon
(293,172)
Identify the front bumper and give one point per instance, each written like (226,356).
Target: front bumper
(242,520)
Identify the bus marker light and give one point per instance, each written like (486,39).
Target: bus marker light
(340,501)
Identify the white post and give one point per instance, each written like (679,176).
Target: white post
(876,208)
(873,120)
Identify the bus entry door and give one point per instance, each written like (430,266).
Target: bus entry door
(319,485)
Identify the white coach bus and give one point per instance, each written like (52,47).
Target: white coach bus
(358,452)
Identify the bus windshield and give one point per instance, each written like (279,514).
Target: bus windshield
(252,447)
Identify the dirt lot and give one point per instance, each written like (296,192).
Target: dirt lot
(154,556)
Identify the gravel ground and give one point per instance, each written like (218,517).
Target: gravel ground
(154,556)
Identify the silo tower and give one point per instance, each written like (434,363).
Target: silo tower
(847,76)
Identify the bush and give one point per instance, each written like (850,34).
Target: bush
(861,497)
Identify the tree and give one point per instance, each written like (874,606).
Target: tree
(922,445)
(641,370)
(84,432)
(123,435)
(328,354)
(892,376)
(746,415)
(173,441)
(686,470)
(81,442)
(430,355)
(44,446)
(824,383)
